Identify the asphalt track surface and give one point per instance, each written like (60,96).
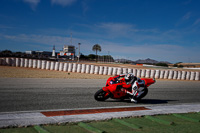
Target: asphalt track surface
(27,94)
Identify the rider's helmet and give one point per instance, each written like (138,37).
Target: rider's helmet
(128,77)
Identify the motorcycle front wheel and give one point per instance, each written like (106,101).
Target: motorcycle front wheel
(100,95)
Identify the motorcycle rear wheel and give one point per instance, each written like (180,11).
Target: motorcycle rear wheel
(100,95)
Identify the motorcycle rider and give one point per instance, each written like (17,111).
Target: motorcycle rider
(137,86)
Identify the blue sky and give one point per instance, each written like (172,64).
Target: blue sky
(164,30)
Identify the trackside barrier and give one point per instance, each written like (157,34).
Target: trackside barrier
(78,68)
(96,70)
(139,73)
(52,65)
(197,76)
(110,69)
(171,74)
(175,75)
(48,65)
(162,73)
(43,64)
(65,67)
(183,76)
(143,73)
(17,62)
(7,61)
(34,63)
(187,75)
(83,68)
(22,62)
(125,70)
(105,71)
(74,69)
(152,74)
(70,67)
(166,74)
(192,76)
(135,72)
(61,66)
(119,71)
(25,62)
(39,64)
(92,69)
(114,72)
(57,66)
(30,63)
(147,75)
(179,75)
(130,70)
(87,69)
(102,70)
(157,74)
(13,62)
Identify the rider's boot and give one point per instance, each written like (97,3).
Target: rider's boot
(133,100)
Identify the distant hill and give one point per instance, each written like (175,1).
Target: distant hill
(150,61)
(140,61)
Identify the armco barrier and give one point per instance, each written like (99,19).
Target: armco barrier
(102,70)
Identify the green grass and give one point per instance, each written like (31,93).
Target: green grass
(147,124)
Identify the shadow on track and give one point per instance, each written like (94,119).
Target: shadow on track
(144,101)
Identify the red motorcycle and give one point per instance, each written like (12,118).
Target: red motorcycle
(117,89)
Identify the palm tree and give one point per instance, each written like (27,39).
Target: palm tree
(96,48)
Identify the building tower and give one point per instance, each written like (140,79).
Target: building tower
(53,52)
